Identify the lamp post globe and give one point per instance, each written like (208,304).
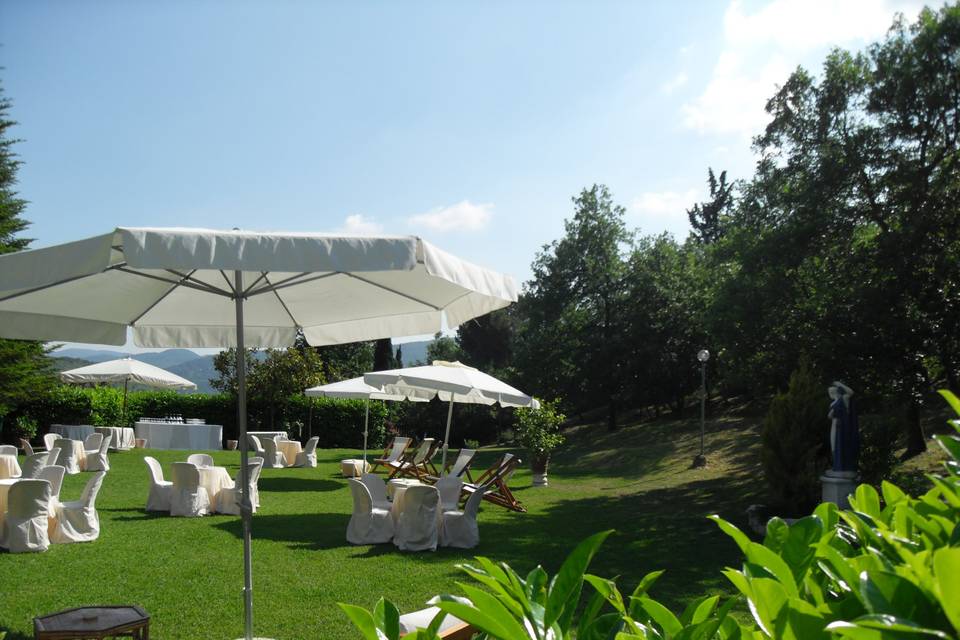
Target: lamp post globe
(703,355)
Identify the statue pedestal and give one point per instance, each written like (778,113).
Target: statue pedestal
(837,486)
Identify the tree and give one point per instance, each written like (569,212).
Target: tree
(345,361)
(282,374)
(443,348)
(487,342)
(706,218)
(383,355)
(225,364)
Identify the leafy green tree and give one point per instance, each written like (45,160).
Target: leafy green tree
(282,374)
(707,218)
(345,361)
(487,342)
(225,364)
(443,348)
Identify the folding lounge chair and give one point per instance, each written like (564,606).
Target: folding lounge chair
(459,468)
(393,453)
(495,478)
(417,464)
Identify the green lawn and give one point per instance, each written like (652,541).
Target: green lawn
(188,572)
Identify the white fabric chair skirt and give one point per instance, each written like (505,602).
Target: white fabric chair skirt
(418,520)
(77,520)
(459,528)
(368,524)
(72,456)
(25,526)
(187,497)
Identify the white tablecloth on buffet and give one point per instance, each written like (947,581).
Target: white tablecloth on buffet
(121,437)
(72,431)
(9,467)
(164,435)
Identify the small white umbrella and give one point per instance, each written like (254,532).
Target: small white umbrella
(357,389)
(126,370)
(451,382)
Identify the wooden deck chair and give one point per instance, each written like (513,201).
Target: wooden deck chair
(417,463)
(393,453)
(459,468)
(495,478)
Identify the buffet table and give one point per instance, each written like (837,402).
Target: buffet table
(72,431)
(173,435)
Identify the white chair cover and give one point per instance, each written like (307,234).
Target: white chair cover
(8,450)
(378,490)
(229,499)
(273,458)
(188,498)
(255,447)
(200,459)
(77,520)
(160,490)
(27,447)
(67,457)
(97,460)
(54,475)
(33,464)
(308,457)
(417,525)
(49,439)
(91,444)
(449,488)
(368,524)
(28,507)
(459,528)
(54,456)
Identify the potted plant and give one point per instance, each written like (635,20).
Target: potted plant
(538,431)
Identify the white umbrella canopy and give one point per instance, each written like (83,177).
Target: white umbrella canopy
(127,370)
(181,287)
(451,382)
(357,389)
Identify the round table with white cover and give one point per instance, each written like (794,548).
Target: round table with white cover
(9,467)
(73,431)
(79,462)
(214,480)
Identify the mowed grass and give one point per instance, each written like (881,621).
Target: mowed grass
(187,573)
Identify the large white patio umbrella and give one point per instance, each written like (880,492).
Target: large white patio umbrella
(451,382)
(357,389)
(126,370)
(204,288)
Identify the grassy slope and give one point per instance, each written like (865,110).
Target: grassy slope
(187,572)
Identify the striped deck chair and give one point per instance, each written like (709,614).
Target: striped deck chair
(417,464)
(459,468)
(495,478)
(393,453)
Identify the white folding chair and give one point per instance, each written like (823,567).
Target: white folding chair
(368,524)
(449,488)
(77,520)
(459,528)
(26,446)
(417,525)
(308,457)
(33,464)
(188,498)
(54,475)
(91,444)
(200,459)
(378,490)
(159,497)
(49,439)
(8,450)
(28,508)
(229,499)
(273,458)
(97,460)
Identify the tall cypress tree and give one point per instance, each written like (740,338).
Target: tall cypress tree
(24,369)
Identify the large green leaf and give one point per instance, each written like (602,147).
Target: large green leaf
(731,530)
(887,626)
(800,620)
(951,399)
(387,618)
(608,589)
(564,591)
(363,620)
(662,616)
(768,599)
(766,558)
(889,594)
(946,567)
(866,500)
(482,611)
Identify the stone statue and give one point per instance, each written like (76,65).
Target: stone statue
(845,430)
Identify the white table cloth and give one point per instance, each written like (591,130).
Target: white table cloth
(79,455)
(353,467)
(214,479)
(121,438)
(9,467)
(290,449)
(268,434)
(196,437)
(4,488)
(72,431)
(396,486)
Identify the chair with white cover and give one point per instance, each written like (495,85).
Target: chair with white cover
(159,497)
(417,526)
(228,501)
(368,524)
(200,459)
(459,528)
(308,457)
(28,508)
(97,460)
(8,450)
(49,439)
(77,520)
(33,464)
(273,458)
(187,497)
(66,455)
(378,490)
(449,488)
(91,444)
(54,475)
(26,446)
(255,447)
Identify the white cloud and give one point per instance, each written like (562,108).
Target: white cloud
(463,216)
(664,203)
(762,48)
(674,83)
(360,224)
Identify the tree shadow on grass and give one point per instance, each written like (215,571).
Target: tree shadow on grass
(297,484)
(302,530)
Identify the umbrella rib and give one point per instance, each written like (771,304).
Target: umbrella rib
(159,300)
(200,283)
(394,291)
(229,284)
(282,303)
(283,284)
(246,292)
(189,285)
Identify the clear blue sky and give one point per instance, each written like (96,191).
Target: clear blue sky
(470,124)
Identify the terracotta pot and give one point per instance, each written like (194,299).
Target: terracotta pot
(232,445)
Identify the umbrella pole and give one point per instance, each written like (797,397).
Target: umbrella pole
(446,436)
(246,506)
(366,422)
(123,412)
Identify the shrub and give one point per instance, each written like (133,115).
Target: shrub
(538,430)
(879,441)
(24,427)
(795,442)
(471,444)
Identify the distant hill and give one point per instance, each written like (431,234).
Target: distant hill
(413,352)
(65,364)
(198,371)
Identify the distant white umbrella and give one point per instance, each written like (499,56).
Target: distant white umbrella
(205,288)
(451,382)
(357,389)
(126,370)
